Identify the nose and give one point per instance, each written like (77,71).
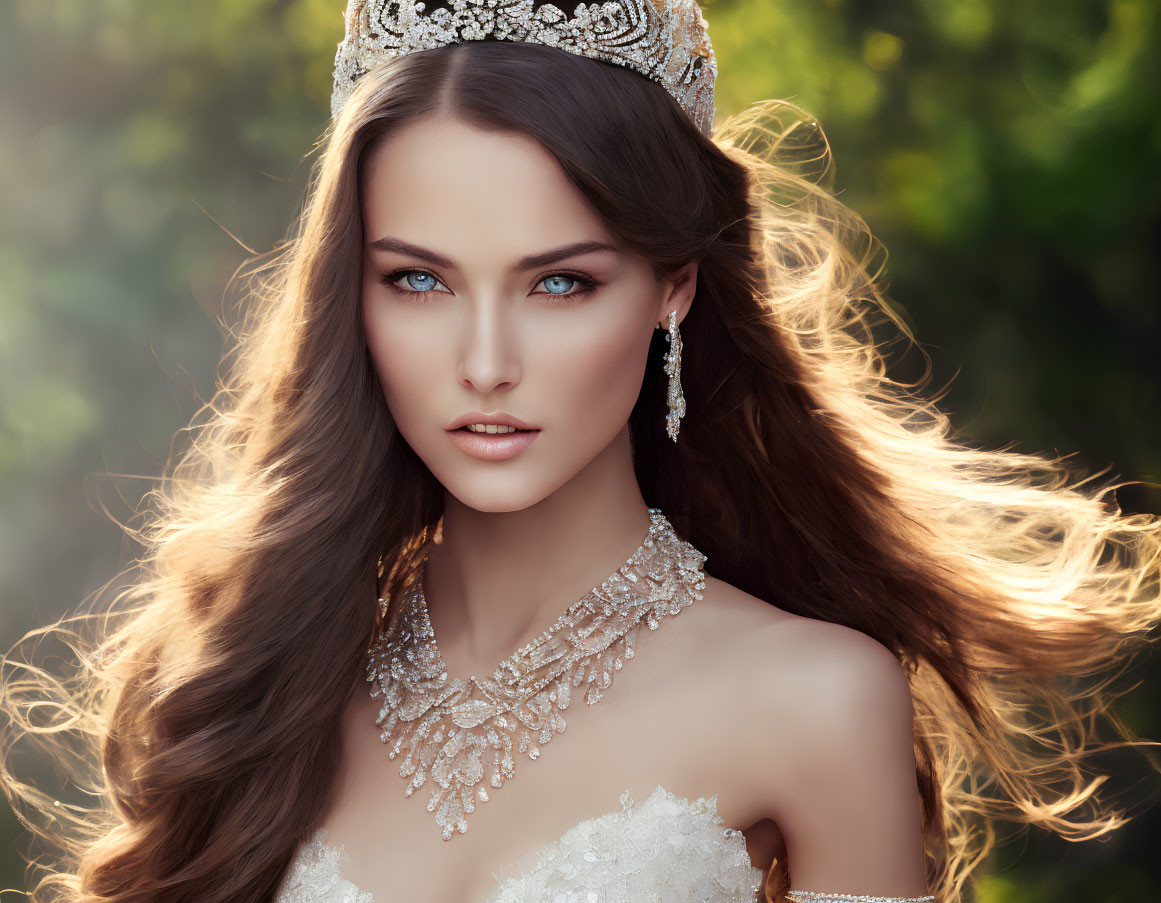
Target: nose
(487,359)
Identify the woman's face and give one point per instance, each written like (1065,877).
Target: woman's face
(490,286)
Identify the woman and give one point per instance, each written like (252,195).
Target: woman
(546,350)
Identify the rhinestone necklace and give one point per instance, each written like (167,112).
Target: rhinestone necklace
(459,731)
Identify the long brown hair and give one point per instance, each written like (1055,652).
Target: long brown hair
(204,716)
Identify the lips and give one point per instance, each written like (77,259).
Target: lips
(499,418)
(492,446)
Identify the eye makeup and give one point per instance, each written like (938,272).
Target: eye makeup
(586,284)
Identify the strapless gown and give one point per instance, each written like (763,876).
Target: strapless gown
(664,849)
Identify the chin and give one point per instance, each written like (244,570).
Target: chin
(495,499)
(491,487)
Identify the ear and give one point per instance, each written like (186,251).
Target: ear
(677,295)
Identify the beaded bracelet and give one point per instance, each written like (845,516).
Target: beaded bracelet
(811,896)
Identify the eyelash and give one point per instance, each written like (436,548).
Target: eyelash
(587,283)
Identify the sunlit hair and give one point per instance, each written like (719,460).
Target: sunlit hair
(203,715)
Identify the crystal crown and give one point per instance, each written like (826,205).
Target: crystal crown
(666,41)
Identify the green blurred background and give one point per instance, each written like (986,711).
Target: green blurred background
(1005,152)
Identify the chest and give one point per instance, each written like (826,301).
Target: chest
(661,733)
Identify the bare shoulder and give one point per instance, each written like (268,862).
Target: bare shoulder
(782,651)
(823,735)
(813,682)
(791,657)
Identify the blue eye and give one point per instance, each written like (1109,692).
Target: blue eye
(568,286)
(412,282)
(421,282)
(557,279)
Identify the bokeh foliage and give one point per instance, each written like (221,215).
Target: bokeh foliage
(1005,151)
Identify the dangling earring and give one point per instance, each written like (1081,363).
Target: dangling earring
(675,397)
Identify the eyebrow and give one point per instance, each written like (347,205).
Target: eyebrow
(528,262)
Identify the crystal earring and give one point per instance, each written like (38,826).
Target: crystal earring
(675,397)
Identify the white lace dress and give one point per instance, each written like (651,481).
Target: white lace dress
(664,849)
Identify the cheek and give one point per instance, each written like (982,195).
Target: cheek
(596,374)
(403,361)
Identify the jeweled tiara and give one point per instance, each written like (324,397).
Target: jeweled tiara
(665,40)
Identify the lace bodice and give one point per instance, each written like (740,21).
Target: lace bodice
(664,849)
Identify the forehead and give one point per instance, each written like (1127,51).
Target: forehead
(452,187)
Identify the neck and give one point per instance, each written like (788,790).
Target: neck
(497,579)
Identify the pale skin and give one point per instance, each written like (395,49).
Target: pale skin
(801,728)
